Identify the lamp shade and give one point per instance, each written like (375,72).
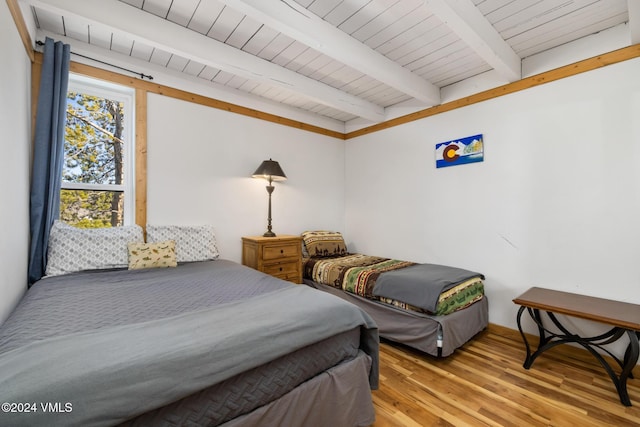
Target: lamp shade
(270,170)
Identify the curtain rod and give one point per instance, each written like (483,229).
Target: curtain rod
(142,76)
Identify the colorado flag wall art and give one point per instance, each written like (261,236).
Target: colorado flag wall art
(460,151)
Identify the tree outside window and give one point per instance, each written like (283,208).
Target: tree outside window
(96,170)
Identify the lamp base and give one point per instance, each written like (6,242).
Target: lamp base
(269,233)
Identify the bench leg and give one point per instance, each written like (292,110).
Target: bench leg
(630,360)
(552,339)
(544,339)
(527,362)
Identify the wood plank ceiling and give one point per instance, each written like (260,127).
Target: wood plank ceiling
(343,60)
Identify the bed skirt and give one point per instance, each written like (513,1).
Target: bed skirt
(338,397)
(435,335)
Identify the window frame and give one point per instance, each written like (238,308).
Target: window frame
(127,95)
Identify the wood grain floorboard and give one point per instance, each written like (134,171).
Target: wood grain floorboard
(484,384)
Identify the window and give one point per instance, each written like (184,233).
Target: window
(97,175)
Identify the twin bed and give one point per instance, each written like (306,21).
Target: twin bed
(432,308)
(209,342)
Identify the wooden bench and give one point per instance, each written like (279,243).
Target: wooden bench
(623,317)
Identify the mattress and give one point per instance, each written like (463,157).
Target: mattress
(130,346)
(93,300)
(252,389)
(424,288)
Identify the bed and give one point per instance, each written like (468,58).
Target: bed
(205,343)
(430,307)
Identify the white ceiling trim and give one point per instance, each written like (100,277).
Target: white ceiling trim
(464,19)
(289,18)
(161,34)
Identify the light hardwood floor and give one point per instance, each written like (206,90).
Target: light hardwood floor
(484,383)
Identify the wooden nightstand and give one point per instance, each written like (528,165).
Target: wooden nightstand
(279,256)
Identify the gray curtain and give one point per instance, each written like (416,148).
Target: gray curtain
(48,153)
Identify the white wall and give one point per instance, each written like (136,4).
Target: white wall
(15,92)
(200,161)
(555,203)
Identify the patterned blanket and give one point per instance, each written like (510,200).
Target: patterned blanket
(358,274)
(355,273)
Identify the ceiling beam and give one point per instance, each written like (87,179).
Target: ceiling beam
(83,53)
(156,32)
(634,20)
(288,17)
(464,19)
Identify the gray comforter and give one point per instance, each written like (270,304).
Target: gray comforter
(421,284)
(104,372)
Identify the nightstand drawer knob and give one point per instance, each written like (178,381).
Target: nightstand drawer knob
(281,251)
(280,268)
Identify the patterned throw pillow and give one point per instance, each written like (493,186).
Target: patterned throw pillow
(324,243)
(74,249)
(193,243)
(152,255)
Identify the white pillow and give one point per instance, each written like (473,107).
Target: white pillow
(193,243)
(75,249)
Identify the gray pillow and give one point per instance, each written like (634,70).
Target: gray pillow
(74,249)
(193,243)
